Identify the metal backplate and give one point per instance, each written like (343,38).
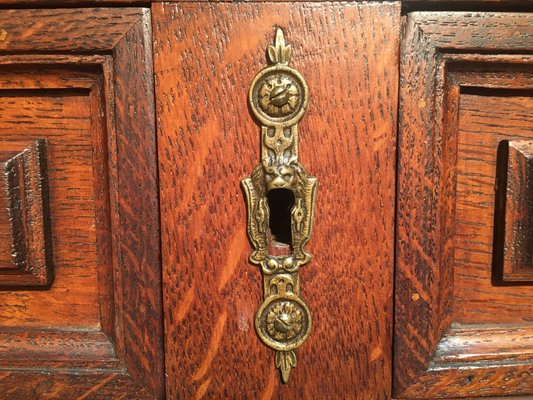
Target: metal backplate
(278,99)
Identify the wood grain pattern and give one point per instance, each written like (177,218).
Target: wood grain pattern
(206,55)
(64,120)
(48,347)
(136,220)
(517,216)
(65,30)
(485,119)
(70,385)
(437,276)
(25,251)
(96,110)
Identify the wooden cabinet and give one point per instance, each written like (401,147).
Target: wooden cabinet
(464,324)
(125,132)
(80,307)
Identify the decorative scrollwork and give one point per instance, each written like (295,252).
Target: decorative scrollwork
(278,98)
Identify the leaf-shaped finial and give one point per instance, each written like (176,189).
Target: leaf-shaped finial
(285,361)
(279,53)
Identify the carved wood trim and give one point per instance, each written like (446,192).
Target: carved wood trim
(437,47)
(120,47)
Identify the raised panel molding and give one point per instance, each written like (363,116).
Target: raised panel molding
(25,237)
(515,216)
(103,56)
(444,57)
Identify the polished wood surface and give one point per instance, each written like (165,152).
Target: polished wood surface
(456,326)
(82,79)
(486,119)
(63,119)
(206,56)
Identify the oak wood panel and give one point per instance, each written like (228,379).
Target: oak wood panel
(64,119)
(206,55)
(440,64)
(120,354)
(485,120)
(136,223)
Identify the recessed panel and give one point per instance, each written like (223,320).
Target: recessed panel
(460,330)
(484,122)
(82,79)
(63,118)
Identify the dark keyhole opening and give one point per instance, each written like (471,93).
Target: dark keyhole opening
(280,202)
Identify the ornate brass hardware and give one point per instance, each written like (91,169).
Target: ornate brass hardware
(278,98)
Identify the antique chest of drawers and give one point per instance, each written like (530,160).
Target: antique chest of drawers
(135,265)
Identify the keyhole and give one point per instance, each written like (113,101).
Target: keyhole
(280,202)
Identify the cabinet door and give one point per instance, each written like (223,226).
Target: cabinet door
(464,294)
(80,309)
(206,56)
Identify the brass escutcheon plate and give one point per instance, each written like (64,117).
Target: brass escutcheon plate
(278,98)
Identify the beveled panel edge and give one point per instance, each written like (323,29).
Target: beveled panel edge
(423,283)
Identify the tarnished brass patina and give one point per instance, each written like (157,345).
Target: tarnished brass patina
(278,98)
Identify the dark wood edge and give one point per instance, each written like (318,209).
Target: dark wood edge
(521,275)
(467,1)
(129,95)
(104,175)
(409,6)
(424,249)
(141,315)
